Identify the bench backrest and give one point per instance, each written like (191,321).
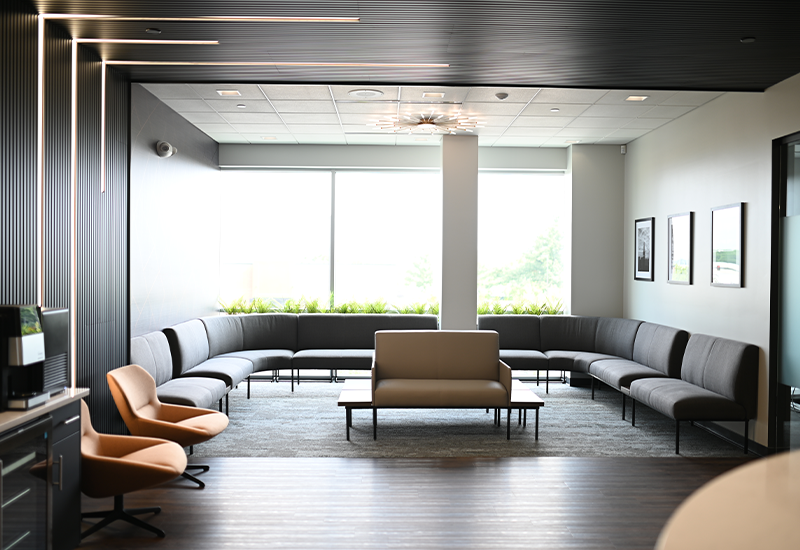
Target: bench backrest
(151,352)
(516,331)
(353,330)
(188,344)
(726,367)
(269,331)
(660,348)
(568,332)
(437,354)
(616,336)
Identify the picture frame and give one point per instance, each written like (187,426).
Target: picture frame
(727,245)
(643,249)
(680,248)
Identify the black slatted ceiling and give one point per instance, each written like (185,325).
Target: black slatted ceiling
(617,44)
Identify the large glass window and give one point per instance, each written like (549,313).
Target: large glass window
(275,242)
(388,237)
(524,222)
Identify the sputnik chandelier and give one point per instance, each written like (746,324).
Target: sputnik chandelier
(427,123)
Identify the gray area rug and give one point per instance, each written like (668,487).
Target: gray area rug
(275,422)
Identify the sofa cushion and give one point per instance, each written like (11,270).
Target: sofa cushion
(567,332)
(230,370)
(518,332)
(660,347)
(682,400)
(188,344)
(265,359)
(523,359)
(224,334)
(344,359)
(407,392)
(573,361)
(726,367)
(353,331)
(619,373)
(192,392)
(269,331)
(616,336)
(151,352)
(439,354)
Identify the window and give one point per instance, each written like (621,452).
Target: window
(524,222)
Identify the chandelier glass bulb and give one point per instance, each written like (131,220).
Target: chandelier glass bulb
(427,123)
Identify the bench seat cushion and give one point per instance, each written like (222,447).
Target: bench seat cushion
(619,373)
(326,359)
(265,359)
(230,370)
(435,393)
(574,361)
(192,392)
(682,400)
(524,359)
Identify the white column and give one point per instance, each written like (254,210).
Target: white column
(458,308)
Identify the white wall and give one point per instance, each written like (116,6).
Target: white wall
(598,178)
(716,155)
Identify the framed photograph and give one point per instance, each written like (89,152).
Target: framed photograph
(727,245)
(680,248)
(643,262)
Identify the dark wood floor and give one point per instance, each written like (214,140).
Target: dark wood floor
(346,503)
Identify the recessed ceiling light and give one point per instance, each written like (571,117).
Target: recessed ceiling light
(555,110)
(268,137)
(439,95)
(242,106)
(636,97)
(227,93)
(364,94)
(747,40)
(502,96)
(153,30)
(573,141)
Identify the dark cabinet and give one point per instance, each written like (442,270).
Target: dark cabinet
(66,475)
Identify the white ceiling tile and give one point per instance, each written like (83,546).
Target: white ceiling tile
(667,111)
(216,128)
(204,118)
(631,133)
(583,132)
(414,93)
(231,106)
(298,129)
(496,121)
(222,137)
(542,121)
(515,95)
(209,91)
(614,141)
(625,111)
(618,97)
(188,105)
(496,108)
(259,128)
(341,92)
(362,129)
(279,138)
(289,106)
(366,108)
(321,139)
(292,92)
(171,91)
(694,99)
(490,131)
(316,118)
(564,109)
(649,123)
(509,141)
(486,141)
(562,141)
(359,119)
(252,118)
(533,132)
(599,122)
(556,96)
(370,140)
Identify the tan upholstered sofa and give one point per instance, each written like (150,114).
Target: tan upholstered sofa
(439,369)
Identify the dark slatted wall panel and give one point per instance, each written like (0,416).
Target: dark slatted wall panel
(57,80)
(17,153)
(102,228)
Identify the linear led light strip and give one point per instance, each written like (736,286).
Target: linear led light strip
(272,64)
(227,19)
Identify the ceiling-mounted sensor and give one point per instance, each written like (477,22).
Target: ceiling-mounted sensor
(501,96)
(165,150)
(365,94)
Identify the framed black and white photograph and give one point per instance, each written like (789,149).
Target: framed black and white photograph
(643,262)
(726,245)
(680,248)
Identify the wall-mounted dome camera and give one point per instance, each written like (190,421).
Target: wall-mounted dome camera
(165,150)
(501,96)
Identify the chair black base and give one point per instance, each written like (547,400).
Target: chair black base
(120,513)
(201,467)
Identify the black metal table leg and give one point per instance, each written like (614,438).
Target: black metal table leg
(348,417)
(525,419)
(519,420)
(536,436)
(374,423)
(508,423)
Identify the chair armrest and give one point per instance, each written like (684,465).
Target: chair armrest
(117,446)
(374,375)
(505,378)
(176,413)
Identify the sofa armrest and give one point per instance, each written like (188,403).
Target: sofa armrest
(373,374)
(505,378)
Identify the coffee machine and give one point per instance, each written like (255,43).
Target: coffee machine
(22,357)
